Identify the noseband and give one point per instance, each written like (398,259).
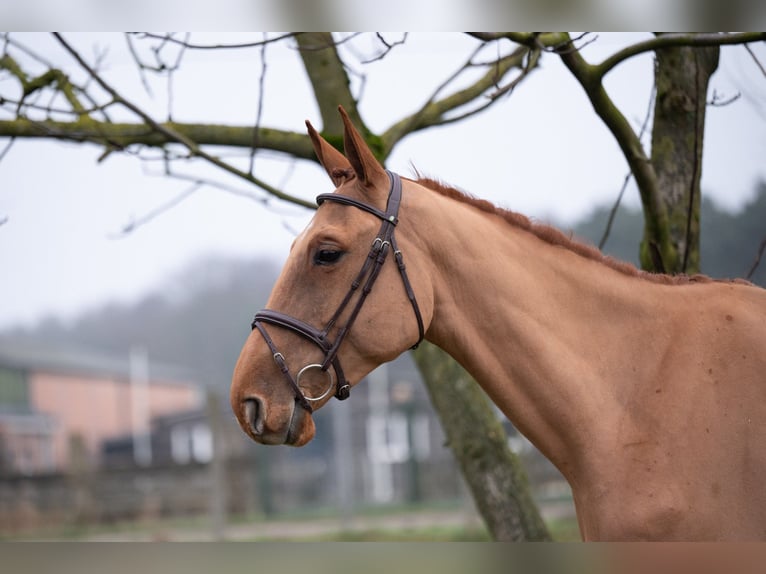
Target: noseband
(384,243)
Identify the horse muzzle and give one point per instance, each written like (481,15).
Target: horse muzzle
(293,426)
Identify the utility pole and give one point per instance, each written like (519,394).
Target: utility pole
(139,402)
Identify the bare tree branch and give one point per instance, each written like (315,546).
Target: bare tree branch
(531,59)
(546,41)
(126,134)
(640,165)
(173,135)
(719,101)
(614,210)
(388,46)
(259,109)
(7,148)
(558,43)
(134,224)
(667,40)
(628,176)
(219,46)
(755,59)
(9,41)
(757,260)
(53,77)
(434,111)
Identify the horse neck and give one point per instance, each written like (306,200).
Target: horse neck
(531,322)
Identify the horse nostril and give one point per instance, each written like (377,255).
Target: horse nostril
(254,415)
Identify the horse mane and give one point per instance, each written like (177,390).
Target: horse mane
(556,237)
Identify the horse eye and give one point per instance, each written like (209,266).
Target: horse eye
(327,256)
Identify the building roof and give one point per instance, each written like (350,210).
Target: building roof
(77,360)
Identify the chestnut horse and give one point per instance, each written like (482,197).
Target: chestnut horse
(648,392)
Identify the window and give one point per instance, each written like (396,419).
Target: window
(14,395)
(202,443)
(191,443)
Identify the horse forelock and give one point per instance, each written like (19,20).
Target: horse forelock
(342,173)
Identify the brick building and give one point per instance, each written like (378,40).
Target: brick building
(58,406)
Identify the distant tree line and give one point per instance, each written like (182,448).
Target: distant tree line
(729,241)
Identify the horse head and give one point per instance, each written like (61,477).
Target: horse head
(343,304)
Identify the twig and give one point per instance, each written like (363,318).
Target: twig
(719,101)
(217,185)
(7,148)
(532,58)
(324,45)
(755,59)
(433,112)
(264,200)
(613,212)
(259,109)
(28,51)
(388,47)
(569,46)
(616,206)
(139,63)
(190,45)
(757,260)
(50,109)
(156,212)
(415,118)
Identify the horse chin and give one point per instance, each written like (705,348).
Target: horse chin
(301,429)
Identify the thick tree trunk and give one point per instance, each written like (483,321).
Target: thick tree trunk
(681,78)
(479,443)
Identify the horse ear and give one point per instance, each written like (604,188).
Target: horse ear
(330,158)
(368,170)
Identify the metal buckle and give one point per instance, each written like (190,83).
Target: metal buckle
(379,244)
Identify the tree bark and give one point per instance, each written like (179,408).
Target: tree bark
(329,80)
(478,441)
(681,79)
(123,135)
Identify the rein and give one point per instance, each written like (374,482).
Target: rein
(384,243)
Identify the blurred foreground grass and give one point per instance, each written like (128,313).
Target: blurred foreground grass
(562,530)
(427,523)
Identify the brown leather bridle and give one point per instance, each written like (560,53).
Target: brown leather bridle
(381,246)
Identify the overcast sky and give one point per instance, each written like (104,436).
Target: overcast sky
(542,152)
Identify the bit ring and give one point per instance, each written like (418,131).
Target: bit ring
(330,378)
